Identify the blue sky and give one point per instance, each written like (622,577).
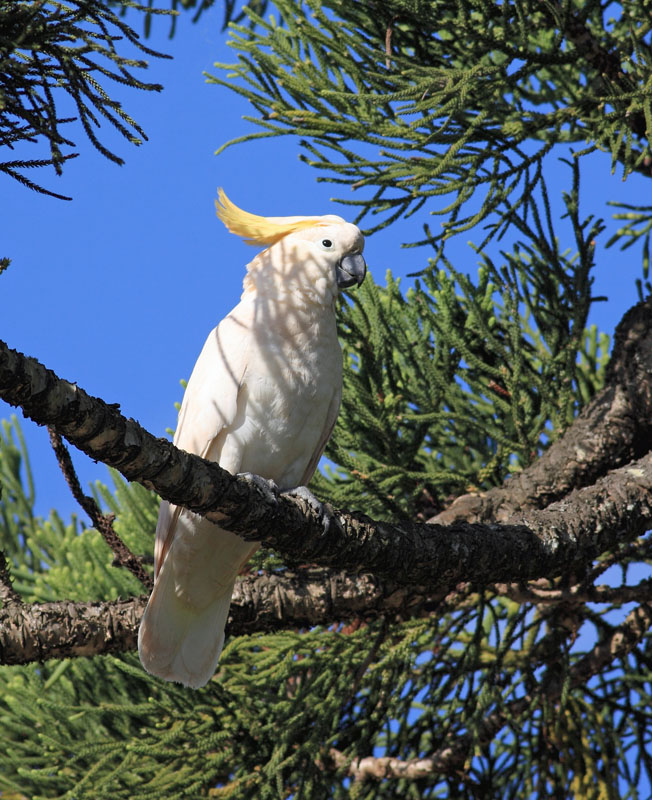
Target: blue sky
(118,289)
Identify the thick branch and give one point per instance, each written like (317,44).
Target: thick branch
(262,603)
(615,427)
(38,631)
(567,535)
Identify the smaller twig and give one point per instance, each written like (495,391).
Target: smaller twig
(637,550)
(536,592)
(362,669)
(8,594)
(619,644)
(388,43)
(383,767)
(101,522)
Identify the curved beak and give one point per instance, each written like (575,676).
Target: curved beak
(350,270)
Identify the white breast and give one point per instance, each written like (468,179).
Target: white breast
(293,375)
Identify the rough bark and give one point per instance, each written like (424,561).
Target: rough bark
(620,504)
(564,536)
(615,427)
(261,603)
(38,631)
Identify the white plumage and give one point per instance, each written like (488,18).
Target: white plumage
(263,398)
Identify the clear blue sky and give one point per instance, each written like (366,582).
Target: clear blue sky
(118,289)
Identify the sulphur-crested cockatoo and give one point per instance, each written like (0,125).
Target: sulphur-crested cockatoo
(263,398)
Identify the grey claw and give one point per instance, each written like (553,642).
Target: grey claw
(267,487)
(321,509)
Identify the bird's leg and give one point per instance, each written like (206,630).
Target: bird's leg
(322,510)
(268,487)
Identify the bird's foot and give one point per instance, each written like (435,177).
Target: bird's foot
(268,487)
(322,510)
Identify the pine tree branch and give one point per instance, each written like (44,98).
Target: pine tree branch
(565,536)
(615,427)
(607,64)
(102,522)
(261,604)
(38,62)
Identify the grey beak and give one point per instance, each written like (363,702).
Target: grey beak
(350,270)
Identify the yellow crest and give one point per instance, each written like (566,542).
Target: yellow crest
(256,230)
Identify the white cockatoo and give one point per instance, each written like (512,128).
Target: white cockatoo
(263,398)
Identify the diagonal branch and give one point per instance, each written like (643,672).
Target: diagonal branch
(102,522)
(615,427)
(565,536)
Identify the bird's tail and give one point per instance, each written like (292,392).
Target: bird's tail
(179,642)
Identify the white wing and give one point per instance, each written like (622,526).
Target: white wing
(182,630)
(210,404)
(331,419)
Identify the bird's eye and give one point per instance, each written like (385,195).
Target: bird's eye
(326,243)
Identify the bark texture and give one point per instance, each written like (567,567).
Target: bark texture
(615,427)
(412,566)
(566,535)
(38,631)
(261,603)
(421,567)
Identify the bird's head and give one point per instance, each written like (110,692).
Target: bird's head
(313,256)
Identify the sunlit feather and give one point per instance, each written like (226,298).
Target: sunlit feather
(257,230)
(263,398)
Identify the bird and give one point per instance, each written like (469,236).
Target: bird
(262,399)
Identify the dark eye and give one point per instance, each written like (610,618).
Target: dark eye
(326,243)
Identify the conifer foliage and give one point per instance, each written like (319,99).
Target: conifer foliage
(49,49)
(480,398)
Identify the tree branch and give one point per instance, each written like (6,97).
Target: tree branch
(605,62)
(577,594)
(615,427)
(383,767)
(261,603)
(38,631)
(102,522)
(564,536)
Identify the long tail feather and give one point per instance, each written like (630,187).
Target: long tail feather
(182,631)
(178,642)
